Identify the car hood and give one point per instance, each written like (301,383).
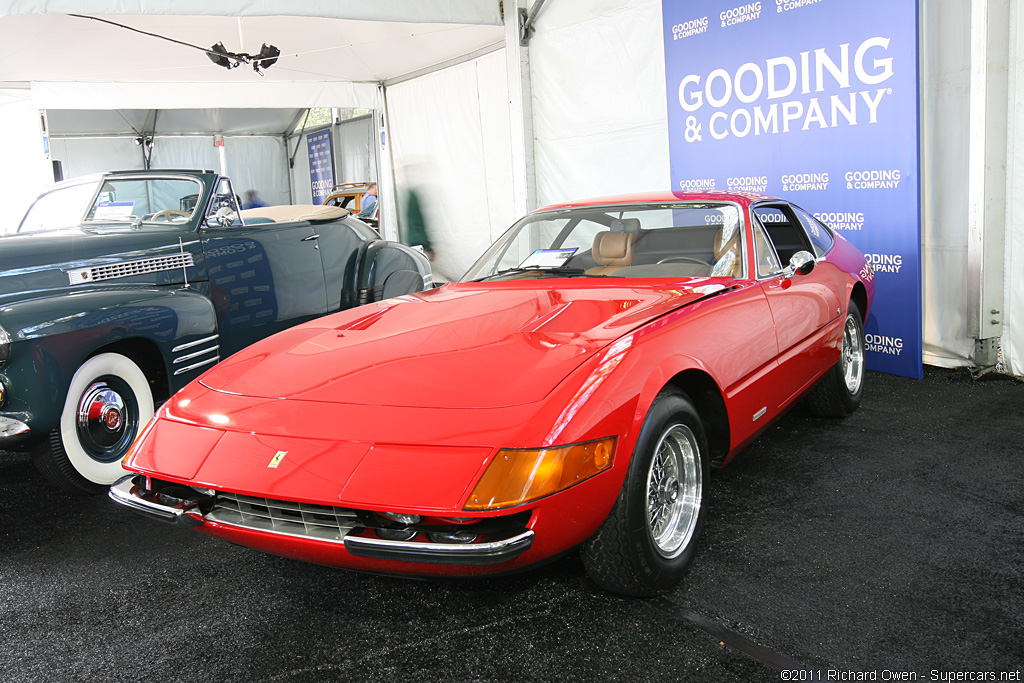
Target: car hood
(42,261)
(471,345)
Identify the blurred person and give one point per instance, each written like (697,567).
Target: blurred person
(252,200)
(414,227)
(369,202)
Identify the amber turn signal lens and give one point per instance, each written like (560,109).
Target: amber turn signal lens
(520,475)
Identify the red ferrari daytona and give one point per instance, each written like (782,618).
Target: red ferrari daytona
(571,391)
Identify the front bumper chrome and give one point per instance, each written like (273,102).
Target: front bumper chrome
(187,513)
(494,552)
(155,505)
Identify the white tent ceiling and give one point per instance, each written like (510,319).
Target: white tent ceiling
(76,62)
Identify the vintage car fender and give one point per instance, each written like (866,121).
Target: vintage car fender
(52,336)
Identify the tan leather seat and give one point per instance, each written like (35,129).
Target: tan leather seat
(727,253)
(612,251)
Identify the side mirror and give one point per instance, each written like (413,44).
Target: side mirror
(222,219)
(801,262)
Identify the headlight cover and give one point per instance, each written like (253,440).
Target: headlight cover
(517,476)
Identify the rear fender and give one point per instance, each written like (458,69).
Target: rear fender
(390,269)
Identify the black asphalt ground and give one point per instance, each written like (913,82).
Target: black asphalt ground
(891,542)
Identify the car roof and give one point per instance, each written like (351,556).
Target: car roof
(742,198)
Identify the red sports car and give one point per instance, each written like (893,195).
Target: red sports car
(572,391)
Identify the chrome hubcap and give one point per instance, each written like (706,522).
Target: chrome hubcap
(852,356)
(674,491)
(105,424)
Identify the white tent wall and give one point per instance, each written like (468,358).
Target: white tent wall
(599,114)
(450,142)
(25,170)
(253,162)
(945,54)
(82,156)
(355,151)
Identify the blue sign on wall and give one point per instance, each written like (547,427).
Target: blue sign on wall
(815,101)
(321,164)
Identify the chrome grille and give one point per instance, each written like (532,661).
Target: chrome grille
(283,517)
(130,268)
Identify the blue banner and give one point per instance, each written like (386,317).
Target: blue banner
(815,101)
(321,164)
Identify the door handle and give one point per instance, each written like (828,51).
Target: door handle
(310,238)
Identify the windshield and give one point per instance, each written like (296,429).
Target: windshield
(686,239)
(60,208)
(149,200)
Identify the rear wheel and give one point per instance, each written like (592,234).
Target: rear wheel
(649,539)
(839,393)
(108,403)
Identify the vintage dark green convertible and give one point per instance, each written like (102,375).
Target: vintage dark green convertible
(119,289)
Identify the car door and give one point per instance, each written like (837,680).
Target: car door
(802,306)
(264,277)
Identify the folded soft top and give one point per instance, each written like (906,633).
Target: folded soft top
(296,212)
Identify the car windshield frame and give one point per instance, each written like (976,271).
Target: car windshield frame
(682,248)
(114,211)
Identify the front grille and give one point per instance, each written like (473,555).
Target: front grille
(131,268)
(283,517)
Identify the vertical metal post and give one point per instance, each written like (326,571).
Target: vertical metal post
(387,185)
(986,175)
(520,108)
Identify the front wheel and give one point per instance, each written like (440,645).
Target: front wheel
(650,537)
(839,392)
(108,403)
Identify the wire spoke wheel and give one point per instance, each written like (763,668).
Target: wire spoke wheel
(840,390)
(674,489)
(650,537)
(852,356)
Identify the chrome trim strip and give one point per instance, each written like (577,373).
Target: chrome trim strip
(215,359)
(10,427)
(125,493)
(494,552)
(760,413)
(190,356)
(197,342)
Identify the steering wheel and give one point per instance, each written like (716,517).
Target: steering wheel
(673,259)
(167,213)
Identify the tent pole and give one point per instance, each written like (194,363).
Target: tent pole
(520,96)
(986,177)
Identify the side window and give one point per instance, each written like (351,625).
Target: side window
(819,235)
(768,263)
(785,234)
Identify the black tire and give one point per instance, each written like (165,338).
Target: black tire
(636,552)
(839,392)
(108,403)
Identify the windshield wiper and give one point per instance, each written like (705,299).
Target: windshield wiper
(560,270)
